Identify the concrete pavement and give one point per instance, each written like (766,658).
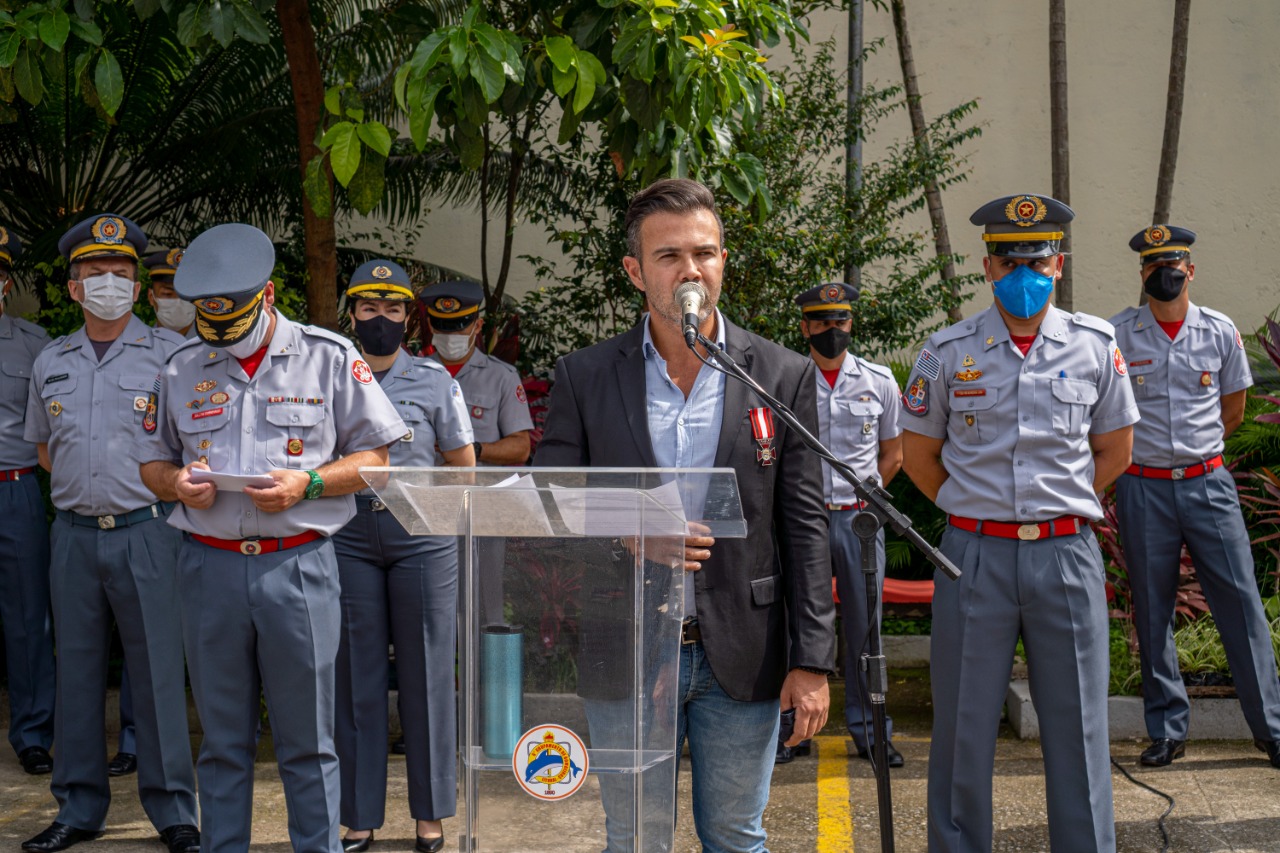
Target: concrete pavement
(1228,798)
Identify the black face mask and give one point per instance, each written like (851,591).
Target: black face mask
(1165,283)
(831,343)
(379,335)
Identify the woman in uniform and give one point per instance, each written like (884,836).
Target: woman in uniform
(399,588)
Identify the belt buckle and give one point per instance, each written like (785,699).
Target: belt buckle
(250,547)
(1029,532)
(106,522)
(1178,473)
(377,505)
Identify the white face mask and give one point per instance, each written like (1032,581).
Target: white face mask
(253,341)
(107,296)
(452,347)
(175,314)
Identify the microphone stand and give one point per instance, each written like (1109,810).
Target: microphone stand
(867,523)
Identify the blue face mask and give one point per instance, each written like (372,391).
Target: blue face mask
(1024,291)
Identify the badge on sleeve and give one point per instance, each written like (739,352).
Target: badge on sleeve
(1239,342)
(915,398)
(361,372)
(928,365)
(1117,361)
(520,395)
(762,429)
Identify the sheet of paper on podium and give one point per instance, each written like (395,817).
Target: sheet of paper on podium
(512,507)
(616,512)
(231,482)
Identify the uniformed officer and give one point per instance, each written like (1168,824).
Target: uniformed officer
(171,312)
(113,555)
(1016,419)
(496,399)
(24,539)
(1189,375)
(858,421)
(399,587)
(257,394)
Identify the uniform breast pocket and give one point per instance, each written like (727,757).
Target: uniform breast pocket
(58,395)
(1146,379)
(1072,399)
(865,420)
(298,435)
(974,418)
(483,408)
(419,441)
(15,379)
(205,438)
(134,391)
(1204,374)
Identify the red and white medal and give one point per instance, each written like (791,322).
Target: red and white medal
(762,429)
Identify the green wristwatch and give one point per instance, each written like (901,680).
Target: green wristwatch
(315,488)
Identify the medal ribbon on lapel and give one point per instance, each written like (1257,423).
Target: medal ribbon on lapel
(762,428)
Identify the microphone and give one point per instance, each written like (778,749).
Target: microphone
(691,295)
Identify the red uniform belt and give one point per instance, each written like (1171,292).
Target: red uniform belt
(6,476)
(1064,526)
(1197,470)
(254,547)
(847,507)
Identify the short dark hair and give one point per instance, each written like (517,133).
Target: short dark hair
(671,195)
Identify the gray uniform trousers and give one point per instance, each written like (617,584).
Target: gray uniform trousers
(128,740)
(1155,518)
(267,622)
(404,589)
(846,557)
(24,610)
(1052,593)
(125,575)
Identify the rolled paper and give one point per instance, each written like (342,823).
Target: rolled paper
(501,688)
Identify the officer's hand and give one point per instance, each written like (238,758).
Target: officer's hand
(697,548)
(289,488)
(807,693)
(194,495)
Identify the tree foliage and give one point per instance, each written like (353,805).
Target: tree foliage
(809,236)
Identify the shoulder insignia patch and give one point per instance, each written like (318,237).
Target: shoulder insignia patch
(928,365)
(915,398)
(361,372)
(1117,360)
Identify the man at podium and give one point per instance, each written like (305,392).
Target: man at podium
(758,634)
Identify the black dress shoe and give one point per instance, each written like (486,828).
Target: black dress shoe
(784,754)
(1271,748)
(357,845)
(397,746)
(123,764)
(59,836)
(895,758)
(181,838)
(36,760)
(1162,752)
(429,845)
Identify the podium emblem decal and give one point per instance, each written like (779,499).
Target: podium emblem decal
(550,762)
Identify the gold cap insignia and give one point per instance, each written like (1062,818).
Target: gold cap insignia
(1156,235)
(174,257)
(381,272)
(1025,210)
(832,293)
(216,305)
(108,230)
(447,304)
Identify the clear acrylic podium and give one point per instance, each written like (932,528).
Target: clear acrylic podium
(573,593)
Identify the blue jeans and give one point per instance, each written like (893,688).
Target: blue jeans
(731,748)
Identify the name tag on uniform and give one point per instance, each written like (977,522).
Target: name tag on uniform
(58,378)
(970,392)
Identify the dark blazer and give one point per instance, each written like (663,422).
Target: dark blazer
(764,602)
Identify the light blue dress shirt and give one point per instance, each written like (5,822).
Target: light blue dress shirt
(685,432)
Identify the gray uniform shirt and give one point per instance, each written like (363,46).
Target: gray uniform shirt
(432,407)
(1180,383)
(90,414)
(20,343)
(495,397)
(311,401)
(1017,429)
(853,418)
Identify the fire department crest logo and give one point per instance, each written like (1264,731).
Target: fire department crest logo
(381,272)
(216,305)
(1156,235)
(832,293)
(174,257)
(1025,210)
(447,304)
(550,762)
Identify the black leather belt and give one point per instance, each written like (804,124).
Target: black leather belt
(111,522)
(690,632)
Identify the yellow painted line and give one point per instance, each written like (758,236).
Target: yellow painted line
(835,819)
